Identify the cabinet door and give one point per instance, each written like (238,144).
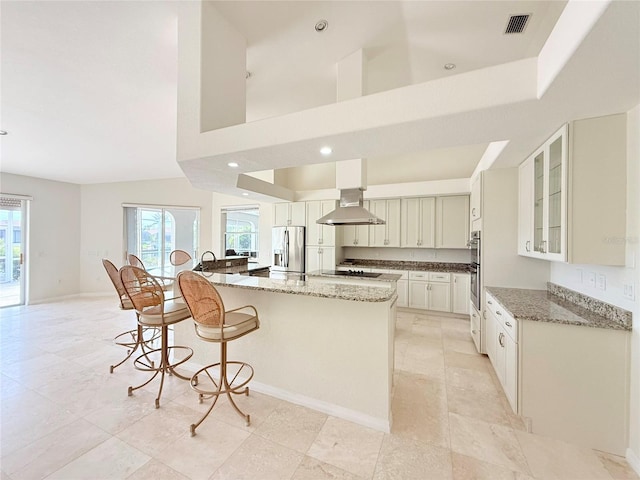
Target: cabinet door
(418,294)
(393,223)
(327,258)
(313,259)
(362,231)
(297,214)
(452,221)
(403,293)
(428,222)
(314,230)
(538,205)
(555,227)
(525,207)
(378,233)
(490,337)
(460,289)
(475,200)
(349,238)
(410,222)
(439,297)
(281,214)
(501,345)
(510,383)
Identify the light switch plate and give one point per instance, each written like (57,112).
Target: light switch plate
(602,281)
(629,291)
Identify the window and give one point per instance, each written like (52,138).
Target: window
(152,233)
(241,231)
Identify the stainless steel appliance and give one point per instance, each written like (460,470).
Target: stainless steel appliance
(288,249)
(476,288)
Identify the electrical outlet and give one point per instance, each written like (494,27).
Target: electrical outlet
(591,279)
(629,291)
(602,281)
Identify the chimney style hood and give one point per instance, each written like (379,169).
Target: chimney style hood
(350,211)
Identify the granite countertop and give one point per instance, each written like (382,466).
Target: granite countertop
(408,265)
(544,306)
(340,291)
(384,277)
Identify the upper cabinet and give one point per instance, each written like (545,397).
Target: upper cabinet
(289,214)
(452,221)
(417,220)
(475,199)
(387,235)
(572,198)
(320,234)
(355,235)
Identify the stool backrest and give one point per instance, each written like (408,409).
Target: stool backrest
(143,290)
(114,275)
(202,299)
(135,261)
(179,257)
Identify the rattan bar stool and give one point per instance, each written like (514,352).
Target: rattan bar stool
(179,257)
(131,339)
(214,324)
(154,310)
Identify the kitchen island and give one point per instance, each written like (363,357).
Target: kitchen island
(324,345)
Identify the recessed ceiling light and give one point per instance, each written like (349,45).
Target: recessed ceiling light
(326,150)
(449,66)
(4,132)
(321,25)
(233,164)
(245,194)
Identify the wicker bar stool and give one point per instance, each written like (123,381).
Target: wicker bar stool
(214,324)
(140,337)
(154,310)
(179,257)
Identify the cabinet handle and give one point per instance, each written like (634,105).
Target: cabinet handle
(319,241)
(501,339)
(474,331)
(473,211)
(543,246)
(508,324)
(489,302)
(473,315)
(527,246)
(498,312)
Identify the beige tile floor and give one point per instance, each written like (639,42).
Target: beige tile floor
(65,417)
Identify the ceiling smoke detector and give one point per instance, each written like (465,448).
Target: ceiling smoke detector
(321,26)
(517,23)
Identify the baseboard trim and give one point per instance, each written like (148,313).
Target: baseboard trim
(315,404)
(633,460)
(70,297)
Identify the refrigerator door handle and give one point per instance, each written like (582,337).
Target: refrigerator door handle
(286,248)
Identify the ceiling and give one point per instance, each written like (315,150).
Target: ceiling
(88,91)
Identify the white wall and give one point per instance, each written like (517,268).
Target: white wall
(102,235)
(616,277)
(54,236)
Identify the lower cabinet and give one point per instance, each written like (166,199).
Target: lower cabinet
(502,348)
(460,293)
(430,291)
(403,292)
(320,258)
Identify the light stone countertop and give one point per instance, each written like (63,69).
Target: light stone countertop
(340,291)
(443,267)
(542,306)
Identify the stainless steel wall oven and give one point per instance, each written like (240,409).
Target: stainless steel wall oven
(476,289)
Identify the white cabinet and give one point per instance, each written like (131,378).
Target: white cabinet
(475,200)
(355,235)
(319,234)
(417,219)
(387,235)
(573,194)
(460,293)
(403,292)
(502,348)
(320,258)
(291,213)
(430,291)
(476,328)
(452,221)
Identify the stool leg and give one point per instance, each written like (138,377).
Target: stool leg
(225,381)
(164,361)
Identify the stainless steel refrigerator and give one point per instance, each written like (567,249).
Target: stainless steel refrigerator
(288,249)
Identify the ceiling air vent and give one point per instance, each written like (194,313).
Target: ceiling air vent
(517,23)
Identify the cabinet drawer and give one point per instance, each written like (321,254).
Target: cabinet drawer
(424,276)
(507,321)
(439,277)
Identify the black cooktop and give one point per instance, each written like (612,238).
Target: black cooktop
(352,273)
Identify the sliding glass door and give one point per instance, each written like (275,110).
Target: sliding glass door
(152,233)
(13,214)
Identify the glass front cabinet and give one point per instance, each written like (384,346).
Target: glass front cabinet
(542,231)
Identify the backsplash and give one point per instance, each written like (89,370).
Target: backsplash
(594,305)
(409,254)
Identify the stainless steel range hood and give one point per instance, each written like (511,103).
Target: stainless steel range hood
(350,211)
